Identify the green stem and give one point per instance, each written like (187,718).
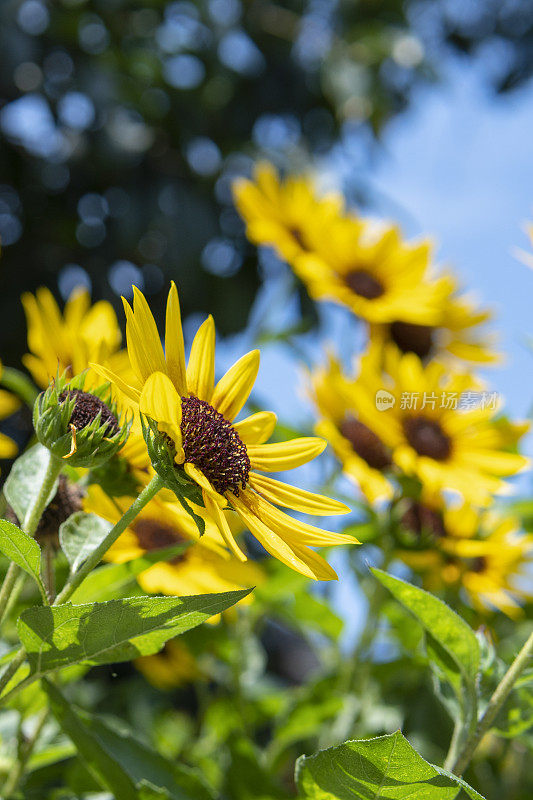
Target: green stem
(497,700)
(17,382)
(49,571)
(456,743)
(75,580)
(10,579)
(29,525)
(14,777)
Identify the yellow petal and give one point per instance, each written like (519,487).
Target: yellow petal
(8,448)
(160,401)
(148,330)
(201,366)
(198,476)
(282,494)
(285,455)
(294,530)
(8,403)
(257,428)
(300,559)
(116,380)
(232,390)
(175,354)
(218,515)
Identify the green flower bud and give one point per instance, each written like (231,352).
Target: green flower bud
(81,427)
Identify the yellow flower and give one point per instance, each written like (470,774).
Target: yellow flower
(432,438)
(204,567)
(364,457)
(222,457)
(370,270)
(8,405)
(454,334)
(281,214)
(173,666)
(485,553)
(67,341)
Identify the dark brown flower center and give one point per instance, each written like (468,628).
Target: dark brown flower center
(366,443)
(364,284)
(155,535)
(87,408)
(478,564)
(427,438)
(412,338)
(422,520)
(66,501)
(213,445)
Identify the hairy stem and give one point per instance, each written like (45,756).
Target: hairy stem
(501,693)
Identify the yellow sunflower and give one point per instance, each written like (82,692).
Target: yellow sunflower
(222,457)
(364,457)
(281,213)
(8,405)
(204,567)
(371,271)
(434,435)
(68,340)
(455,332)
(484,552)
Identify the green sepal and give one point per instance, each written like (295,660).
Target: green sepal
(51,420)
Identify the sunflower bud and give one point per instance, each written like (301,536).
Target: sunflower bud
(81,427)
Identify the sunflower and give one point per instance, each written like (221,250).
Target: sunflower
(69,340)
(205,566)
(434,436)
(370,270)
(217,454)
(8,405)
(364,457)
(456,332)
(281,213)
(484,552)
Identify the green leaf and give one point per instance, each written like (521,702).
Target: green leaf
(444,626)
(368,769)
(24,482)
(117,580)
(79,535)
(20,548)
(124,764)
(117,630)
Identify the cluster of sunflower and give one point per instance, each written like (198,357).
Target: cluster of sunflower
(419,435)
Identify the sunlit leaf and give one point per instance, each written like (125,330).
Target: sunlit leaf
(448,629)
(79,535)
(368,769)
(24,482)
(20,548)
(117,630)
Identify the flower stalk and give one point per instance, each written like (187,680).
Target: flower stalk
(500,695)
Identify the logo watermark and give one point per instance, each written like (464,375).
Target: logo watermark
(454,401)
(384,400)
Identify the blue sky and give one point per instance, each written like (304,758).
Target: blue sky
(458,165)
